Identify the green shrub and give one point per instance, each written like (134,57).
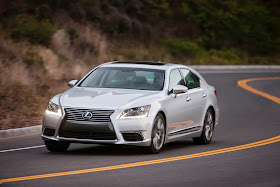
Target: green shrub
(248,25)
(182,47)
(133,51)
(72,33)
(28,28)
(32,59)
(76,12)
(157,7)
(258,60)
(219,57)
(44,11)
(223,57)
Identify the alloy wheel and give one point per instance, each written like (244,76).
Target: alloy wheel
(158,134)
(208,126)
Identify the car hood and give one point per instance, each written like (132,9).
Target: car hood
(103,98)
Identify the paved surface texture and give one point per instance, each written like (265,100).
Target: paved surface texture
(244,118)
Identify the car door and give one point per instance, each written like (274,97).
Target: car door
(179,109)
(197,96)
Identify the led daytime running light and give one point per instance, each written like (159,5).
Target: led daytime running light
(54,109)
(137,112)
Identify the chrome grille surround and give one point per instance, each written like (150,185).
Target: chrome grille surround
(75,114)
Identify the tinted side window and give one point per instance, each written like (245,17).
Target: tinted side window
(192,81)
(175,78)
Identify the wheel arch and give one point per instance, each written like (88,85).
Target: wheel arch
(165,124)
(164,116)
(213,112)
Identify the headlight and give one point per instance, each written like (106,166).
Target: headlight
(136,112)
(54,109)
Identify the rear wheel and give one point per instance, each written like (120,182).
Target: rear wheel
(54,146)
(158,135)
(208,129)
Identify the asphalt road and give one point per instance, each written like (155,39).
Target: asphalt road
(244,118)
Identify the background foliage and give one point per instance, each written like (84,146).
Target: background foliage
(250,27)
(44,44)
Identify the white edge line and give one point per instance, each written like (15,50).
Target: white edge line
(23,148)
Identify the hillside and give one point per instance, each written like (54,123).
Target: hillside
(46,43)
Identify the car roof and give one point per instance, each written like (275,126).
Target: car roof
(141,64)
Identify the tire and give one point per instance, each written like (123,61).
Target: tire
(208,129)
(54,146)
(158,135)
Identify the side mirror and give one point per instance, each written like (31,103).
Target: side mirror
(178,89)
(72,83)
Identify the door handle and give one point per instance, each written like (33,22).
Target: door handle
(188,99)
(203,95)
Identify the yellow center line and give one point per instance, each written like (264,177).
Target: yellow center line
(241,83)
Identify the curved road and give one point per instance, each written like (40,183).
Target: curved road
(245,120)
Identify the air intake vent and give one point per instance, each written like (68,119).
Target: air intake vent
(88,135)
(132,137)
(48,132)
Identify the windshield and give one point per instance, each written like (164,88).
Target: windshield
(125,78)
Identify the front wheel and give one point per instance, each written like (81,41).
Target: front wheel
(55,146)
(158,135)
(208,129)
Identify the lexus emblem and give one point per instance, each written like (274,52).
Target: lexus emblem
(87,115)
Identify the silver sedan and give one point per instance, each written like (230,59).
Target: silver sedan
(134,103)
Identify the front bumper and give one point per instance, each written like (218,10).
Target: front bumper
(117,127)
